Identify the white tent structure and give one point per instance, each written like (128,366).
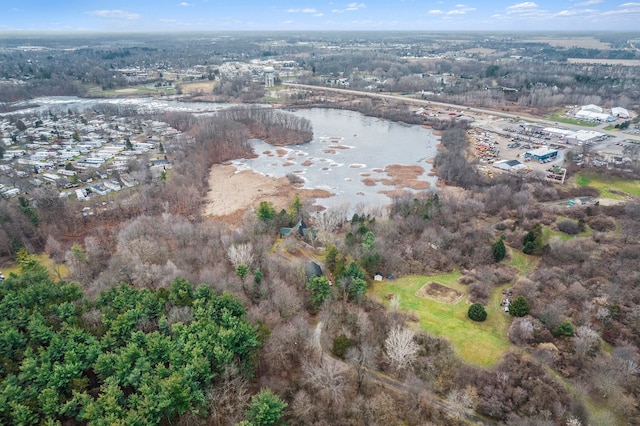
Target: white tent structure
(620,112)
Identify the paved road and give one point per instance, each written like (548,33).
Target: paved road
(461,108)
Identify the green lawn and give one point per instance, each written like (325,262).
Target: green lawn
(57,271)
(607,184)
(480,344)
(523,262)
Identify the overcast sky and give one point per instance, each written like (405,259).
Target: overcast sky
(226,15)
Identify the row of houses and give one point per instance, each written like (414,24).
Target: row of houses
(51,150)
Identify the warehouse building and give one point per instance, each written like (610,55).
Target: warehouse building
(543,155)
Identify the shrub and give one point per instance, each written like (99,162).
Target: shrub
(341,345)
(564,329)
(477,313)
(479,292)
(499,250)
(602,224)
(569,227)
(519,307)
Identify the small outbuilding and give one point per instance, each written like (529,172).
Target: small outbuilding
(509,165)
(312,270)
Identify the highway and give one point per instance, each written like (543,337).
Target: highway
(465,109)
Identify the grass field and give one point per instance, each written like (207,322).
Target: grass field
(480,344)
(608,184)
(56,271)
(197,87)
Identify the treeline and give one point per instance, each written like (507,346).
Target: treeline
(274,126)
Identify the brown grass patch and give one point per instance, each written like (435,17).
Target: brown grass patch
(339,147)
(356,166)
(369,181)
(437,132)
(430,160)
(268,153)
(392,193)
(324,169)
(307,163)
(281,152)
(440,293)
(249,189)
(378,170)
(329,151)
(365,174)
(405,177)
(197,88)
(288,164)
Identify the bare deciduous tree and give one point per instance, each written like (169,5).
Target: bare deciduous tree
(240,254)
(462,401)
(400,347)
(327,379)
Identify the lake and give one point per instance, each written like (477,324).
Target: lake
(349,151)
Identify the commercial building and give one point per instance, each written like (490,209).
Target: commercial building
(583,137)
(543,154)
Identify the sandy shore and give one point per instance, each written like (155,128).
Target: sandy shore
(232,193)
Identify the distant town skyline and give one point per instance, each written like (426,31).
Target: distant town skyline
(296,15)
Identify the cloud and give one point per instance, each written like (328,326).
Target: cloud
(306,10)
(184,4)
(318,14)
(115,14)
(351,7)
(355,6)
(625,9)
(460,9)
(435,12)
(526,6)
(589,3)
(566,13)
